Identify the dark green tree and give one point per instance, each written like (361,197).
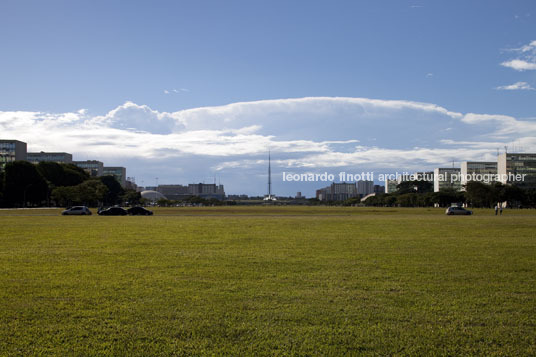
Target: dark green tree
(52,172)
(479,194)
(2,189)
(1,182)
(131,198)
(92,192)
(89,193)
(389,200)
(73,175)
(446,197)
(408,200)
(428,199)
(24,184)
(352,201)
(515,195)
(65,196)
(529,198)
(115,191)
(417,186)
(165,202)
(372,200)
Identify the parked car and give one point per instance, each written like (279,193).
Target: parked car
(77,211)
(113,211)
(451,211)
(139,211)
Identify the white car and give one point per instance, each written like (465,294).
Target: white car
(77,211)
(451,211)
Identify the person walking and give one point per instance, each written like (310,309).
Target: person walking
(496,209)
(500,210)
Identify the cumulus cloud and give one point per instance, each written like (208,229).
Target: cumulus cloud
(313,133)
(131,116)
(519,65)
(516,86)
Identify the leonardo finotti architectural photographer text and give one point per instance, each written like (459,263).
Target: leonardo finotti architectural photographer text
(370,176)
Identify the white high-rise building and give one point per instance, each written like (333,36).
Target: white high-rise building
(481,171)
(446,178)
(510,166)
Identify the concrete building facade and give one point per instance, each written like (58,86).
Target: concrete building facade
(511,166)
(58,157)
(174,192)
(391,186)
(337,192)
(447,178)
(180,192)
(365,187)
(482,171)
(12,150)
(207,190)
(93,167)
(120,173)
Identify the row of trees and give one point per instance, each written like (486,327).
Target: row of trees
(24,184)
(194,200)
(476,194)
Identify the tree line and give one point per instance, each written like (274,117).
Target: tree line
(194,200)
(23,184)
(476,194)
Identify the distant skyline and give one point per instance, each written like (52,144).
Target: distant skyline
(189,91)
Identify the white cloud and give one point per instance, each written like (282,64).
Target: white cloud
(503,124)
(303,134)
(531,47)
(526,60)
(519,65)
(375,157)
(516,86)
(487,145)
(473,118)
(131,116)
(174,90)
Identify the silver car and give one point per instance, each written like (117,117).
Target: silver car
(457,211)
(77,211)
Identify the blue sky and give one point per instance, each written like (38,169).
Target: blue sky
(190,90)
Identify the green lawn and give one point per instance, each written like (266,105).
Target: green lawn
(268,281)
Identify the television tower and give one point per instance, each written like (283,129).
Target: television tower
(269,197)
(269,176)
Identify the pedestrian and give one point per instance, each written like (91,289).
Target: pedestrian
(496,209)
(500,210)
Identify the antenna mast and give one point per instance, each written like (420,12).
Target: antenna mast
(269,176)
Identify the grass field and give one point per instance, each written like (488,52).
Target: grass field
(268,281)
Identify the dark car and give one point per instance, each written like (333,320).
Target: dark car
(77,211)
(451,211)
(139,211)
(113,211)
